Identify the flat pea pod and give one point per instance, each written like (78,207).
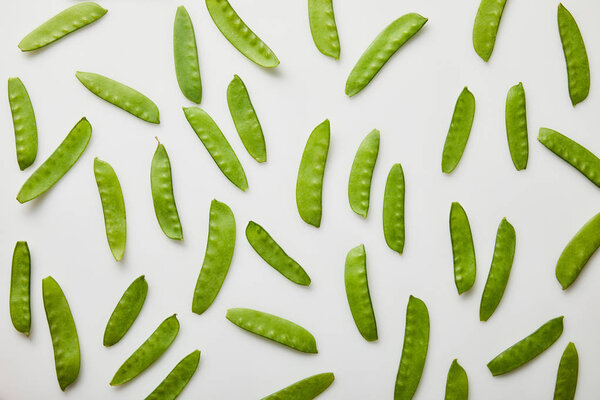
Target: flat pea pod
(245,120)
(20,276)
(239,34)
(172,386)
(306,389)
(187,67)
(113,207)
(527,349)
(273,328)
(414,349)
(357,291)
(161,182)
(361,173)
(566,377)
(393,209)
(217,145)
(504,253)
(120,95)
(578,65)
(58,164)
(309,185)
(463,250)
(63,23)
(485,28)
(572,152)
(274,255)
(457,383)
(218,256)
(67,357)
(148,352)
(322,27)
(25,127)
(125,313)
(578,252)
(459,131)
(516,126)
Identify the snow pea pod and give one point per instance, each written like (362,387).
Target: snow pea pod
(274,255)
(161,182)
(383,47)
(359,184)
(459,131)
(578,252)
(457,384)
(357,291)
(566,377)
(187,68)
(20,276)
(322,27)
(306,389)
(113,207)
(148,352)
(239,34)
(504,253)
(463,251)
(218,256)
(217,145)
(63,332)
(528,348)
(516,126)
(485,28)
(59,162)
(120,95)
(24,123)
(125,313)
(63,23)
(172,386)
(245,120)
(393,209)
(578,65)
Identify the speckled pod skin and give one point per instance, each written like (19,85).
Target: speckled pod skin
(172,386)
(187,68)
(568,371)
(516,126)
(485,28)
(322,27)
(457,383)
(126,312)
(161,182)
(578,65)
(459,132)
(23,117)
(306,389)
(463,250)
(20,277)
(357,292)
(361,173)
(393,209)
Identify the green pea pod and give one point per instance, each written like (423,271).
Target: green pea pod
(161,182)
(463,251)
(457,384)
(62,24)
(516,126)
(217,145)
(145,355)
(459,132)
(125,313)
(65,341)
(359,184)
(306,389)
(393,209)
(113,207)
(20,276)
(218,256)
(357,291)
(485,28)
(309,185)
(58,164)
(187,67)
(566,377)
(322,27)
(274,255)
(527,349)
(578,65)
(24,123)
(172,386)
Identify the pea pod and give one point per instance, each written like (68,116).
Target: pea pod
(463,251)
(113,207)
(485,28)
(359,185)
(58,164)
(24,123)
(357,291)
(516,126)
(161,183)
(125,313)
(187,68)
(322,27)
(172,386)
(20,276)
(457,384)
(459,132)
(306,389)
(578,65)
(393,209)
(566,377)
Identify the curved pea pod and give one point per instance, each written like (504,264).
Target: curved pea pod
(125,313)
(566,377)
(457,383)
(63,23)
(161,183)
(113,207)
(309,185)
(172,386)
(217,145)
(459,132)
(20,276)
(187,67)
(357,291)
(120,95)
(23,117)
(239,34)
(393,209)
(245,119)
(218,256)
(274,255)
(527,349)
(463,250)
(578,251)
(58,164)
(516,126)
(148,352)
(414,349)
(504,253)
(306,389)
(485,28)
(273,328)
(578,65)
(65,341)
(322,27)
(359,184)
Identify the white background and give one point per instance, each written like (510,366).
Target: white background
(410,101)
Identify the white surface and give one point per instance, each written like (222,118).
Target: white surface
(410,101)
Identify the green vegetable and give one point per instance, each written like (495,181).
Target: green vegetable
(463,251)
(113,207)
(172,386)
(322,27)
(24,123)
(457,384)
(185,52)
(306,389)
(516,126)
(485,28)
(20,276)
(125,313)
(357,291)
(393,209)
(359,184)
(459,132)
(161,183)
(566,377)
